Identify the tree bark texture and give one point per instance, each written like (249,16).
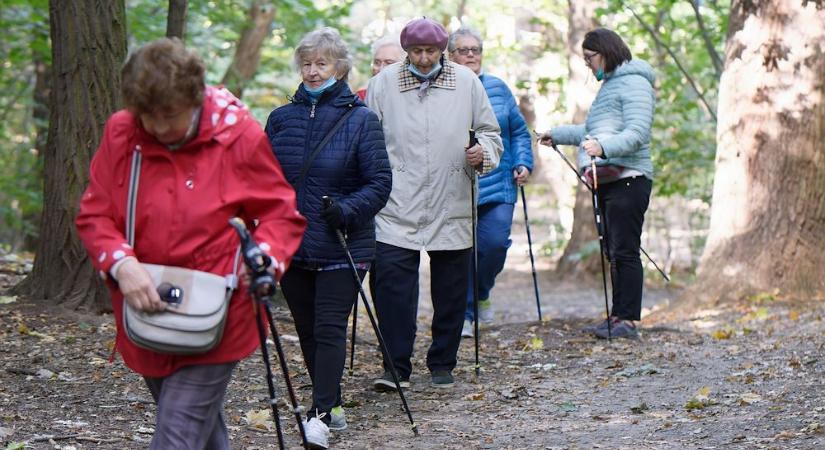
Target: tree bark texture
(767,228)
(176,19)
(88,46)
(248,51)
(576,259)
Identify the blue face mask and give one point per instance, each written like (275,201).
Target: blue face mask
(418,73)
(316,92)
(600,74)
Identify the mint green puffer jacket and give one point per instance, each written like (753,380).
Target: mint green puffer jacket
(620,118)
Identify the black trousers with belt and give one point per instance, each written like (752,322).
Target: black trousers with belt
(624,203)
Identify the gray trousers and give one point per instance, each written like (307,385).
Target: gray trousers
(190,408)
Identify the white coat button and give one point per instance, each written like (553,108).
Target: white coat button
(190,184)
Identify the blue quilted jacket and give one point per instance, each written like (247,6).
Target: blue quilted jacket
(353,169)
(620,118)
(498,186)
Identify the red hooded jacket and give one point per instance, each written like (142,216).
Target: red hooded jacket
(184,202)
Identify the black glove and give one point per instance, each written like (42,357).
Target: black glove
(334,217)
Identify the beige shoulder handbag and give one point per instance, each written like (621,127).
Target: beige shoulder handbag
(197,302)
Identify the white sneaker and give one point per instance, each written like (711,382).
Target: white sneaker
(338,420)
(317,433)
(467,331)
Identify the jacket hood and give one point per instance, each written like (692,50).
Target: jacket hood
(223,118)
(337,95)
(635,67)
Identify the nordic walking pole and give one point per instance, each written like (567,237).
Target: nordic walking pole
(600,229)
(473,207)
(327,202)
(530,247)
(262,286)
(352,340)
(583,180)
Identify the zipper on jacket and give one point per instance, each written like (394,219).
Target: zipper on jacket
(312,110)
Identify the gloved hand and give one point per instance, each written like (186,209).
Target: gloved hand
(334,217)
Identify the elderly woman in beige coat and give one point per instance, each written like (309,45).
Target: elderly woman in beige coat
(427,105)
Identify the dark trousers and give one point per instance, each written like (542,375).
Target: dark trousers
(320,303)
(624,203)
(190,408)
(396,303)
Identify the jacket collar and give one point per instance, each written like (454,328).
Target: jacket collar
(445,80)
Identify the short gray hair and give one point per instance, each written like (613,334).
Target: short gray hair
(386,41)
(464,32)
(325,41)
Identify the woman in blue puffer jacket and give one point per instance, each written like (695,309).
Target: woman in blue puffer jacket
(617,134)
(353,169)
(497,191)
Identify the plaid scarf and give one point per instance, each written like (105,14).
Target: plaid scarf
(444,79)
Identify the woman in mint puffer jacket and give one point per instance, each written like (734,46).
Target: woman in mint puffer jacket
(617,134)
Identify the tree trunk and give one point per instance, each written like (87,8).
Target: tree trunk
(88,46)
(767,228)
(176,19)
(248,51)
(577,258)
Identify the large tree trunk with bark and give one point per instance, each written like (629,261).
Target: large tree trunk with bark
(88,46)
(176,19)
(767,230)
(248,51)
(579,256)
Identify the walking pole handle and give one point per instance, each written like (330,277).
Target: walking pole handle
(255,259)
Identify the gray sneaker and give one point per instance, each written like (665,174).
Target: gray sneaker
(442,379)
(338,420)
(619,329)
(590,329)
(485,311)
(386,384)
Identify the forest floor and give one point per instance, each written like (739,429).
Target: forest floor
(746,374)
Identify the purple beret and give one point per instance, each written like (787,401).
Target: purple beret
(424,31)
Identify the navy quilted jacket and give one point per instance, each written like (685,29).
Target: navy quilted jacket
(353,169)
(498,186)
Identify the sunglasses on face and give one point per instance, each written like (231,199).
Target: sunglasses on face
(464,51)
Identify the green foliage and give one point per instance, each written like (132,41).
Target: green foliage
(25,25)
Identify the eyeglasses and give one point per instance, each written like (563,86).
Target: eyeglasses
(587,57)
(379,63)
(464,51)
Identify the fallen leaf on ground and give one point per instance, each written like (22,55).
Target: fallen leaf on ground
(260,419)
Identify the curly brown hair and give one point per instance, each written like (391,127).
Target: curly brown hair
(162,75)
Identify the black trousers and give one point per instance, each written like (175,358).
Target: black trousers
(396,303)
(320,303)
(624,203)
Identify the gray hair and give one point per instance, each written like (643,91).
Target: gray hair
(386,41)
(327,42)
(461,32)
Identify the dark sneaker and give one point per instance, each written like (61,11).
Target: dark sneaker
(386,383)
(442,379)
(619,329)
(593,327)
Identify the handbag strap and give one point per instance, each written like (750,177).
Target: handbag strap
(322,144)
(131,206)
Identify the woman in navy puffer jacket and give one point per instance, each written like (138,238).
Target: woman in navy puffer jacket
(353,169)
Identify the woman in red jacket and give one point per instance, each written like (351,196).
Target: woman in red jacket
(205,160)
